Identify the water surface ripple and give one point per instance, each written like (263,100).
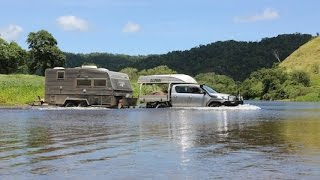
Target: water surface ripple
(264,140)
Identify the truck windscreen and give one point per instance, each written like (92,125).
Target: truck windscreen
(209,89)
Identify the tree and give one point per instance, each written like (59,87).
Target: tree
(11,57)
(220,83)
(300,77)
(132,73)
(44,52)
(265,84)
(157,70)
(235,59)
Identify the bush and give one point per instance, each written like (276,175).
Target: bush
(311,97)
(300,77)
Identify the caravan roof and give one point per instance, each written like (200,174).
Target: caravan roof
(167,79)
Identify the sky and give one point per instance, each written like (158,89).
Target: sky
(142,27)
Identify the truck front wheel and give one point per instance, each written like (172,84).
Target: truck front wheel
(214,104)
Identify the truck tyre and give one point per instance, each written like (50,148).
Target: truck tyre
(70,104)
(161,106)
(214,104)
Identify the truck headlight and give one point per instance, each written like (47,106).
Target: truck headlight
(220,97)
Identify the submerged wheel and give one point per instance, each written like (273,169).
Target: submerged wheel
(214,104)
(162,105)
(70,104)
(83,104)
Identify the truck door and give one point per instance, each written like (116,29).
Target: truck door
(180,96)
(197,97)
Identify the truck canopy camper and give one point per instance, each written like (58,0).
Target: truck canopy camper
(180,90)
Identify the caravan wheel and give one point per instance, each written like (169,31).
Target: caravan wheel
(83,104)
(70,104)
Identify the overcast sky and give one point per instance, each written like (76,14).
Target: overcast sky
(141,27)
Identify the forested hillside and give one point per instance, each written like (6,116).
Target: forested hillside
(296,78)
(232,58)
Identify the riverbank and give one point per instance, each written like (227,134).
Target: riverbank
(20,89)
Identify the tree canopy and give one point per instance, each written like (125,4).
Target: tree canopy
(11,57)
(236,59)
(44,52)
(220,83)
(275,83)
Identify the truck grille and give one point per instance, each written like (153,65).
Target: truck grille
(232,98)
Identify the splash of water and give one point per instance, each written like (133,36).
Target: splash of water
(239,107)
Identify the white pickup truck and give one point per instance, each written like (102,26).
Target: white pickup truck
(182,91)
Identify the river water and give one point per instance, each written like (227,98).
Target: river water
(259,140)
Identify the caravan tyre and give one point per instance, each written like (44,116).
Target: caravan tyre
(70,104)
(83,104)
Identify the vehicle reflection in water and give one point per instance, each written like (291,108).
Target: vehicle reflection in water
(278,141)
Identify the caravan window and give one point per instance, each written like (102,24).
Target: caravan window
(60,75)
(99,82)
(83,82)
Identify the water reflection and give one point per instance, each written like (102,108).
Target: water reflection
(275,141)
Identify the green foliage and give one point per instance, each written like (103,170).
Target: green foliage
(11,57)
(293,91)
(276,84)
(231,58)
(251,88)
(157,70)
(132,73)
(220,83)
(20,89)
(114,62)
(265,84)
(300,77)
(306,59)
(44,52)
(310,97)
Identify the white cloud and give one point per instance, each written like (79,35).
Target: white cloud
(11,33)
(131,27)
(72,23)
(267,14)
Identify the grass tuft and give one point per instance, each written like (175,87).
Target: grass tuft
(20,89)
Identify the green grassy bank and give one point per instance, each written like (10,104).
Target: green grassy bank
(20,89)
(307,59)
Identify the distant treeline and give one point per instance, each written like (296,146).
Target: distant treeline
(229,66)
(236,59)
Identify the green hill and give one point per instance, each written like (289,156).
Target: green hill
(306,58)
(236,59)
